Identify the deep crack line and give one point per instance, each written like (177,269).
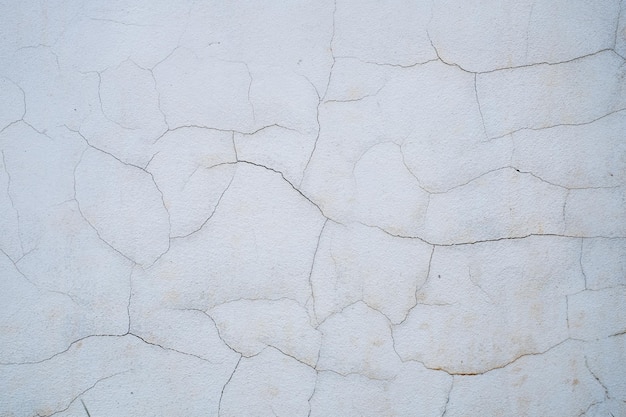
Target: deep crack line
(241,161)
(495,368)
(85,407)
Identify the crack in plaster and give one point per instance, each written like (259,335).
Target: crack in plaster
(34,284)
(317,246)
(385,64)
(619,16)
(310,304)
(489,240)
(321,98)
(219,405)
(495,368)
(445,406)
(144,170)
(22,118)
(559,125)
(126,334)
(480,110)
(210,215)
(17,213)
(515,67)
(81,394)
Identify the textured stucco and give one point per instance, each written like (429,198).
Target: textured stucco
(313,208)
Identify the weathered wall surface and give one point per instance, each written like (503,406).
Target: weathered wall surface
(313,208)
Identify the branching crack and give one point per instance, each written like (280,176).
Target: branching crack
(87,220)
(22,118)
(322,97)
(127,334)
(144,170)
(34,284)
(515,67)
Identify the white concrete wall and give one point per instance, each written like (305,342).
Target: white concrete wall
(313,208)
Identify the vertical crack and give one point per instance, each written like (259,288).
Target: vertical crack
(319,238)
(332,52)
(219,404)
(9,194)
(530,18)
(159,98)
(564,209)
(21,119)
(320,97)
(317,136)
(445,407)
(235,146)
(80,211)
(85,407)
(169,217)
(317,375)
(419,289)
(619,16)
(580,260)
(480,110)
(250,88)
(569,333)
(130,296)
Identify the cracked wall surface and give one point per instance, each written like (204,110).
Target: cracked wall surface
(313,208)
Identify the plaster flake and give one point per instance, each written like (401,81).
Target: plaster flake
(313,208)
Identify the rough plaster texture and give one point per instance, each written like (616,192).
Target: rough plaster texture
(313,208)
